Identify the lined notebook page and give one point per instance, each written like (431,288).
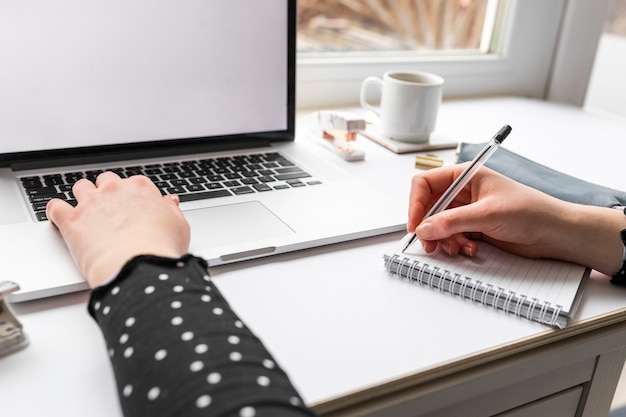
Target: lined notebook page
(551,281)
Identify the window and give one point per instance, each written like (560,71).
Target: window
(387,26)
(343,41)
(616,18)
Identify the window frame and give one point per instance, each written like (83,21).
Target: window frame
(536,43)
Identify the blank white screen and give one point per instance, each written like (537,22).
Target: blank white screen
(93,72)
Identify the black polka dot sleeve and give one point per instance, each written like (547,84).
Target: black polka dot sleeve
(178,349)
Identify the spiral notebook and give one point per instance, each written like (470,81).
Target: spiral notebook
(543,290)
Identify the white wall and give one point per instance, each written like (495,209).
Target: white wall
(607,86)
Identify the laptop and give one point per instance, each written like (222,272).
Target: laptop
(164,89)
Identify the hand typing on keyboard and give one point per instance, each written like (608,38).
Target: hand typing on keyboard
(102,238)
(191,179)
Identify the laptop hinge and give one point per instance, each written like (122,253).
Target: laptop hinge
(51,159)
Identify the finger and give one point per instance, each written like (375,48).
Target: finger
(425,190)
(470,218)
(467,246)
(454,245)
(173,201)
(106,177)
(143,183)
(82,187)
(174,198)
(58,211)
(450,246)
(429,245)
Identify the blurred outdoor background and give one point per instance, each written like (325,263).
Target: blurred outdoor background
(390,25)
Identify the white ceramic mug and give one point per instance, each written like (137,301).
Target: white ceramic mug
(409,102)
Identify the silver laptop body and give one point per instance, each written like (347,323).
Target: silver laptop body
(117,84)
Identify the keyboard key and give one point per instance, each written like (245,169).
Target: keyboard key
(191,180)
(31,182)
(45,198)
(286,170)
(194,188)
(204,195)
(53,179)
(152,171)
(175,190)
(262,187)
(292,176)
(197,180)
(179,183)
(242,190)
(214,185)
(42,190)
(41,206)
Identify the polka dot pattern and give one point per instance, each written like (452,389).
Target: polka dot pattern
(196,366)
(201,348)
(127,390)
(263,381)
(188,345)
(247,412)
(160,354)
(154,393)
(214,378)
(203,401)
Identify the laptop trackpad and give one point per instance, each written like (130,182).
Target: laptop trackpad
(227,225)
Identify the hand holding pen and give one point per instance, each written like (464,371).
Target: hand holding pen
(462,180)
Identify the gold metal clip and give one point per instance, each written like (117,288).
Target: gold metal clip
(428,161)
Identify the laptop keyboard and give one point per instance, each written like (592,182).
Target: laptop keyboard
(192,180)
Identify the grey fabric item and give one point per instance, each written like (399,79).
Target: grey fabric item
(620,412)
(545,179)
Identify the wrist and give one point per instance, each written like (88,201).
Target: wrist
(106,267)
(592,237)
(619,278)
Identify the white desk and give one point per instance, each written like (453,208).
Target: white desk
(356,341)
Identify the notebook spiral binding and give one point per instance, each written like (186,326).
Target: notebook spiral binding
(498,298)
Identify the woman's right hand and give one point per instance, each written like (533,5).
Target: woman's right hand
(514,217)
(117,219)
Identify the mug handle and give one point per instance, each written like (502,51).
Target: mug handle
(364,85)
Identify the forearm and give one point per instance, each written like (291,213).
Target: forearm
(177,348)
(590,236)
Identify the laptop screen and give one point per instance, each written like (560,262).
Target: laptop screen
(80,77)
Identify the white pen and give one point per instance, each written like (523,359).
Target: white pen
(461,181)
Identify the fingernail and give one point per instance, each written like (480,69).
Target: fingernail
(425,231)
(467,250)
